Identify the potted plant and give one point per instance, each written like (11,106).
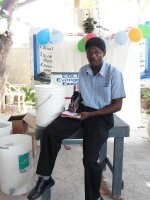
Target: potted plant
(89,24)
(145,98)
(145,105)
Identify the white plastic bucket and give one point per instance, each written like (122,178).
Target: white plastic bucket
(5,128)
(16,168)
(50,102)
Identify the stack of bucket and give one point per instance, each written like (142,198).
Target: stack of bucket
(16,166)
(16,169)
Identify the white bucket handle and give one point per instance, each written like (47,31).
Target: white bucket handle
(44,101)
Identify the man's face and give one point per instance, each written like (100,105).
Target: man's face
(95,56)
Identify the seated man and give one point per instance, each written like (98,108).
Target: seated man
(102,91)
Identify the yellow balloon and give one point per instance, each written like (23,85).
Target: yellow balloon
(135,35)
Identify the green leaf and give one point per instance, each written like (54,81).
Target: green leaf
(1,3)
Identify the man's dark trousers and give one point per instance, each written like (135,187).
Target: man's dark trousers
(95,133)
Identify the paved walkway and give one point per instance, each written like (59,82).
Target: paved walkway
(68,172)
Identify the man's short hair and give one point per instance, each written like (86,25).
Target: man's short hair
(96,42)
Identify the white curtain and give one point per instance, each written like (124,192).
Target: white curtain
(127,59)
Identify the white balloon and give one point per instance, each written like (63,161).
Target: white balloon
(56,37)
(121,37)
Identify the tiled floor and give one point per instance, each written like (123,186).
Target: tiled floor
(68,172)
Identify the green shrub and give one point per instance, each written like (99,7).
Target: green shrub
(30,98)
(145,93)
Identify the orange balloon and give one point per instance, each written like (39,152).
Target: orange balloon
(135,34)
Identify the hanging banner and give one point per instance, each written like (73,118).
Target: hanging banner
(45,53)
(42,58)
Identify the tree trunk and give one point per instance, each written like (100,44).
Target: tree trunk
(5,44)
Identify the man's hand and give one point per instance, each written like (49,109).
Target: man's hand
(72,107)
(84,115)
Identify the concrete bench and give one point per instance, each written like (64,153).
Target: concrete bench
(118,132)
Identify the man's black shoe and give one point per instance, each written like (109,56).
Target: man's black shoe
(40,187)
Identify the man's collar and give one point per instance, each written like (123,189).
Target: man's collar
(101,72)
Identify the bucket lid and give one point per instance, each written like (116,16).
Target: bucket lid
(5,124)
(15,140)
(49,86)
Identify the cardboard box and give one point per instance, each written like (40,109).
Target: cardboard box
(17,124)
(18,127)
(24,124)
(29,123)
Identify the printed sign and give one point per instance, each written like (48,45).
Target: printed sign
(24,162)
(66,78)
(45,53)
